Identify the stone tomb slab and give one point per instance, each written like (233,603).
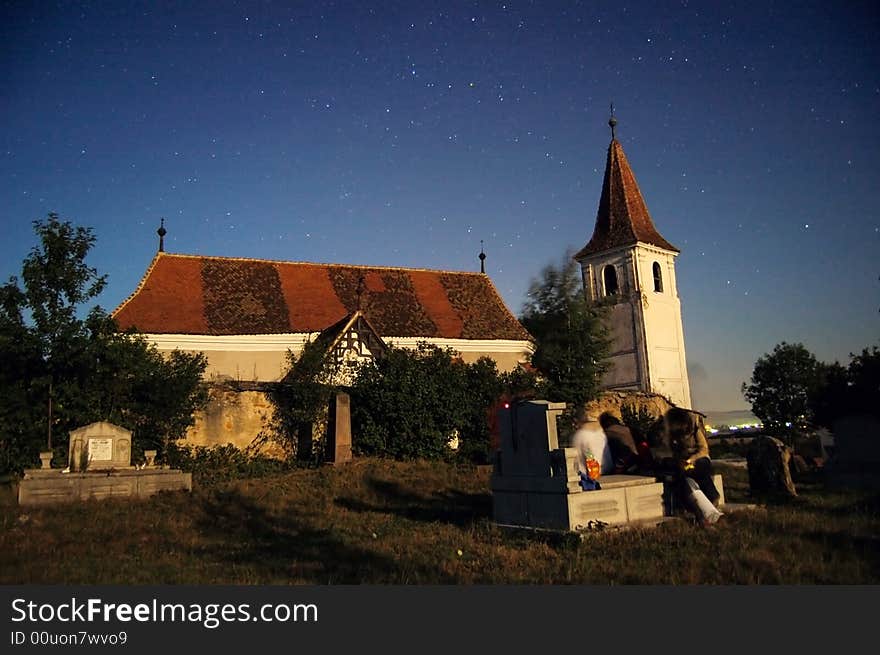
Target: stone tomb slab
(622,501)
(54,487)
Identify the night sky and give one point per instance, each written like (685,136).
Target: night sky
(401,134)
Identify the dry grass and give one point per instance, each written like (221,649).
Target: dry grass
(384,522)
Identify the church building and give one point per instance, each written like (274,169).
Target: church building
(629,266)
(244,314)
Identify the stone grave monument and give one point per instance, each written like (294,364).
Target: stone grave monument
(535,483)
(339,429)
(99,466)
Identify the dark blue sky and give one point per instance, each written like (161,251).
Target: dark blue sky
(402,133)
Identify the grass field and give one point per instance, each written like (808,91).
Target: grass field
(377,521)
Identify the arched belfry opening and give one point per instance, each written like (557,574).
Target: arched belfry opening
(609,280)
(658,277)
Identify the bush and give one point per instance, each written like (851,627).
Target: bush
(412,403)
(409,404)
(221,463)
(639,420)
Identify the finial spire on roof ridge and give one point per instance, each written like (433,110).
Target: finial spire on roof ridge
(162,232)
(482,256)
(612,122)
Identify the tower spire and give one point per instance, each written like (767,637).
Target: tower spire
(612,122)
(623,218)
(482,258)
(162,232)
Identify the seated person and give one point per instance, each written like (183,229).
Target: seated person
(682,453)
(591,443)
(623,447)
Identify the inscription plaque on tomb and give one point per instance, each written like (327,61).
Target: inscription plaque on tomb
(100,450)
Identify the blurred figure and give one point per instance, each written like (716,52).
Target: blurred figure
(591,443)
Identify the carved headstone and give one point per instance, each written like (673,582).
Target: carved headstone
(100,446)
(768,461)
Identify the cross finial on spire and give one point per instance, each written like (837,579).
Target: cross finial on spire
(162,232)
(482,258)
(612,122)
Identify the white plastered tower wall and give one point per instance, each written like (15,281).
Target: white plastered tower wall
(647,335)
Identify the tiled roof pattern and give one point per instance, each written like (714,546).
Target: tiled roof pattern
(185,294)
(623,217)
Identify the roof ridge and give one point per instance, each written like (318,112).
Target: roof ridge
(140,285)
(335,265)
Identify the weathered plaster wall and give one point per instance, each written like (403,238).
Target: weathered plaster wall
(231,416)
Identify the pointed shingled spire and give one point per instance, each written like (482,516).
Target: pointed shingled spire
(623,218)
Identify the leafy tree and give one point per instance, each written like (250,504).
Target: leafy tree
(854,389)
(300,400)
(781,387)
(831,395)
(84,369)
(408,404)
(572,339)
(864,380)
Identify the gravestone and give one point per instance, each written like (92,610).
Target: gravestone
(528,434)
(856,458)
(99,446)
(339,429)
(857,438)
(768,462)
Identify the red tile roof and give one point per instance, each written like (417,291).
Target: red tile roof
(188,294)
(623,217)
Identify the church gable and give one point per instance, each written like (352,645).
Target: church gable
(184,294)
(350,342)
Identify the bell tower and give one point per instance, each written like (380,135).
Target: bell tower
(631,267)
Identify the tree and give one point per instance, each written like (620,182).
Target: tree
(854,389)
(781,387)
(409,404)
(572,338)
(301,399)
(61,371)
